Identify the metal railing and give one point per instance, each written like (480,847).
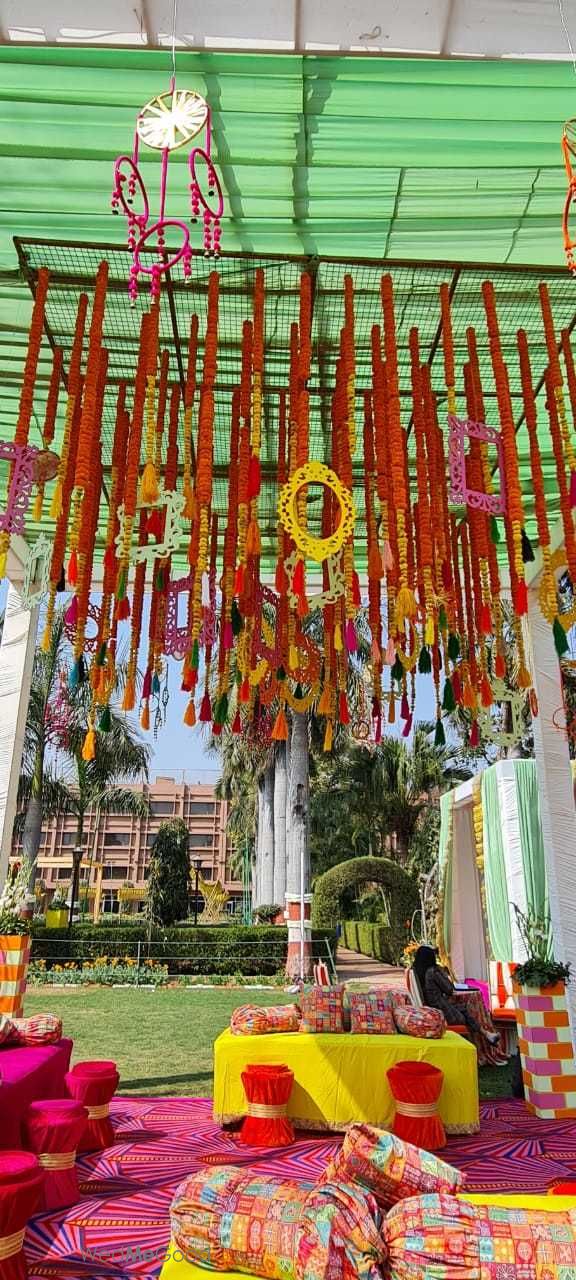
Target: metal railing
(250,957)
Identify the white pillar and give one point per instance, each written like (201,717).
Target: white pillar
(556,794)
(16,662)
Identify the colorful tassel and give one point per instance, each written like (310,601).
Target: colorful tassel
(147,684)
(105,723)
(254,477)
(356,596)
(387,557)
(237,723)
(154,525)
(190,714)
(228,639)
(89,746)
(280,729)
(499,666)
(527,549)
(424,661)
(448,700)
(123,609)
(486,695)
(244,694)
(145,717)
(328,735)
(494,530)
(149,485)
(485,620)
(129,698)
(71,614)
(456,686)
(404,706)
(439,735)
(343,712)
(453,647)
(520,596)
(236,619)
(408,726)
(474,739)
(205,709)
(573,488)
(560,638)
(351,638)
(72,573)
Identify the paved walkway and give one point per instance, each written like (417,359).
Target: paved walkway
(350,964)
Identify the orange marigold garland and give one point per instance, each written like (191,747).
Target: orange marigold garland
(405,601)
(557,383)
(547,595)
(49,421)
(89,427)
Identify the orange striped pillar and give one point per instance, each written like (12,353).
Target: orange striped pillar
(14,958)
(545,1043)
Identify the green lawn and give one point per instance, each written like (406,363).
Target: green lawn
(161,1040)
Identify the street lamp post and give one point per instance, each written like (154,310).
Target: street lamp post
(197,864)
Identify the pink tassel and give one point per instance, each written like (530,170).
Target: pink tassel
(147,685)
(387,557)
(376,655)
(474,739)
(228,636)
(573,488)
(71,615)
(356,597)
(405,707)
(407,727)
(390,655)
(206,709)
(350,637)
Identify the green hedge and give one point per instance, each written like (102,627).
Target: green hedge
(204,950)
(375,940)
(331,890)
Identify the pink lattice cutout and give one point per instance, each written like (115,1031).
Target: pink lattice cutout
(459,431)
(91,640)
(22,458)
(272,655)
(176,637)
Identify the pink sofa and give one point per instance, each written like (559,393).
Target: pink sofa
(29,1074)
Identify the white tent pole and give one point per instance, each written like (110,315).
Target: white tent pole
(16,662)
(556,793)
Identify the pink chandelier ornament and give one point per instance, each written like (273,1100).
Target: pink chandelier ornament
(22,458)
(459,432)
(167,123)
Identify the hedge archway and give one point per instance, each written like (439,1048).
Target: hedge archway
(330,888)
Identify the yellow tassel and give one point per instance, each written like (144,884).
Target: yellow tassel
(253,542)
(89,747)
(149,485)
(338,638)
(45,641)
(293,657)
(406,607)
(429,631)
(56,504)
(328,736)
(280,730)
(469,697)
(129,695)
(189,505)
(3,559)
(38,504)
(190,714)
(524,678)
(325,702)
(145,717)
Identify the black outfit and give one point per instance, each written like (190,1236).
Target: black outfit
(438,991)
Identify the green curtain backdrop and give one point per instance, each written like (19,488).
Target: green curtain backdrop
(497,908)
(445,870)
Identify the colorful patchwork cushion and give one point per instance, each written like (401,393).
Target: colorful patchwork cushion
(371,1015)
(322,1010)
(228,1220)
(452,1240)
(253,1020)
(43,1028)
(426,1023)
(392,995)
(389,1168)
(6,1029)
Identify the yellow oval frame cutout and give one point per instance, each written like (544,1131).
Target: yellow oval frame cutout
(317,549)
(172,119)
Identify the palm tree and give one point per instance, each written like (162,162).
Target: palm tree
(80,785)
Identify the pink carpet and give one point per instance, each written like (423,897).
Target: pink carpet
(119,1229)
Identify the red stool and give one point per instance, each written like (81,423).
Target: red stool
(562,1189)
(416,1088)
(94,1084)
(267,1090)
(53,1130)
(21,1180)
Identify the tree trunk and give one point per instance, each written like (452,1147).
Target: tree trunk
(32,832)
(298,807)
(280,786)
(267,845)
(76,860)
(257,860)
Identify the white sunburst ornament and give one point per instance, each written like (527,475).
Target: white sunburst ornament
(168,122)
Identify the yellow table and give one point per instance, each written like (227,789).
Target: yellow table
(176,1268)
(341,1080)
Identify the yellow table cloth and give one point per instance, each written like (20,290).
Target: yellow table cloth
(341,1080)
(176,1268)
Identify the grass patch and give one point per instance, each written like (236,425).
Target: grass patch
(496,1082)
(161,1040)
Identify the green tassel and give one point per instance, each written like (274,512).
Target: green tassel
(453,647)
(121,585)
(439,735)
(280,674)
(527,549)
(298,690)
(105,723)
(160,577)
(155,683)
(448,701)
(195,656)
(397,672)
(221,712)
(100,660)
(560,638)
(494,530)
(442,619)
(74,677)
(424,661)
(236,619)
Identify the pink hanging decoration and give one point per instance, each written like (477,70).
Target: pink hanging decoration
(70,619)
(176,636)
(23,458)
(272,653)
(58,714)
(170,121)
(493,503)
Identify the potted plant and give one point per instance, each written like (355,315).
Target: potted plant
(14,941)
(544,1033)
(57,911)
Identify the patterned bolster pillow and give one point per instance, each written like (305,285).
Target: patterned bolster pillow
(43,1028)
(6,1029)
(228,1220)
(426,1024)
(388,1168)
(451,1240)
(255,1020)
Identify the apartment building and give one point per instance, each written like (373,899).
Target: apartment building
(117,847)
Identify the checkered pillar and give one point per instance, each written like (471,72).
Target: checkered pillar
(545,1043)
(14,957)
(294,957)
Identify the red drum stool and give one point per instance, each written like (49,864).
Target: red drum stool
(562,1189)
(94,1084)
(21,1180)
(267,1090)
(53,1130)
(416,1088)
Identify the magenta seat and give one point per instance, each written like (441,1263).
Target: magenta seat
(94,1084)
(21,1180)
(53,1130)
(28,1072)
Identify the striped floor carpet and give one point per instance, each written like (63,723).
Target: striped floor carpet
(119,1229)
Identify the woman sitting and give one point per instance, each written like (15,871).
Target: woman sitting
(438,991)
